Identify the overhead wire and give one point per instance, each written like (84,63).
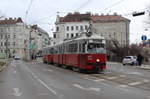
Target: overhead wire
(114,4)
(83,5)
(27,11)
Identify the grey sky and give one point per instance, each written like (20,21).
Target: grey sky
(43,12)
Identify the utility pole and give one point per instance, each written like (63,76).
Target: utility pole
(30,47)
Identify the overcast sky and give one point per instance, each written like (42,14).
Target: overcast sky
(43,12)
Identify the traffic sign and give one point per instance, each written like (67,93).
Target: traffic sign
(144,37)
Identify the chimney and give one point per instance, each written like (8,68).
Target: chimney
(102,14)
(96,14)
(15,19)
(88,13)
(10,19)
(115,13)
(76,12)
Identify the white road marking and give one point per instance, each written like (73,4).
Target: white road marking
(14,72)
(111,78)
(44,84)
(123,76)
(79,86)
(145,81)
(50,89)
(16,92)
(135,73)
(135,83)
(87,89)
(47,70)
(99,80)
(124,86)
(95,89)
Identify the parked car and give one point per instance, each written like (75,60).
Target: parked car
(17,57)
(129,60)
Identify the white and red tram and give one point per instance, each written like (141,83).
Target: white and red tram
(81,54)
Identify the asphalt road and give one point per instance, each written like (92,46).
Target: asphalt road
(22,80)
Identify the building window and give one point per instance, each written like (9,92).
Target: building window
(1,43)
(67,35)
(77,28)
(1,36)
(14,43)
(72,28)
(81,28)
(77,34)
(8,36)
(14,35)
(72,35)
(67,28)
(86,27)
(54,35)
(5,44)
(57,29)
(5,36)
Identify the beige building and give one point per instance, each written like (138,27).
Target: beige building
(15,38)
(112,27)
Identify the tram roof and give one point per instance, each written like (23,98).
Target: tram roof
(85,37)
(79,38)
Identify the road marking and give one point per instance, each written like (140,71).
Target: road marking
(47,70)
(95,89)
(99,80)
(50,89)
(112,78)
(135,83)
(123,76)
(145,81)
(14,72)
(44,84)
(79,86)
(135,73)
(124,86)
(16,92)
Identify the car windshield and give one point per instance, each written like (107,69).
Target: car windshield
(95,48)
(128,57)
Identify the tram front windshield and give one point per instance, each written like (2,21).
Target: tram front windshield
(96,48)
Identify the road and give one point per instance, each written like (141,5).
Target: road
(33,80)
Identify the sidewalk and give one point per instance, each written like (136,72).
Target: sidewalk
(143,66)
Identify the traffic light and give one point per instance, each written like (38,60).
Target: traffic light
(138,13)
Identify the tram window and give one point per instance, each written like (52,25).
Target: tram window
(73,48)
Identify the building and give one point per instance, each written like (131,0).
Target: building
(112,27)
(15,38)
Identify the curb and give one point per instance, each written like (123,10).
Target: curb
(144,67)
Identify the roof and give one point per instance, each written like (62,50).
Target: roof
(106,18)
(77,17)
(10,21)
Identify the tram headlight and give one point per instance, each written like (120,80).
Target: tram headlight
(97,60)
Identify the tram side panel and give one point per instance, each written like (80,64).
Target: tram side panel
(71,60)
(55,58)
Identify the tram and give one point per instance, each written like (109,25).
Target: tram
(87,53)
